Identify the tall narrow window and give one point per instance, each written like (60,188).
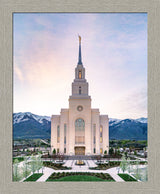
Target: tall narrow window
(80,74)
(94,134)
(101,134)
(79,131)
(58,134)
(101,151)
(94,138)
(79,89)
(65,131)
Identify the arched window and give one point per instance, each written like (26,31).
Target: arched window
(79,131)
(58,134)
(65,132)
(79,89)
(80,74)
(101,134)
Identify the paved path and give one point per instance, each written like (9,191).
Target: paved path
(112,171)
(71,163)
(46,173)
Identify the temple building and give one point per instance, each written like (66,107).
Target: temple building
(80,129)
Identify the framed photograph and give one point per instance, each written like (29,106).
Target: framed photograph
(79,97)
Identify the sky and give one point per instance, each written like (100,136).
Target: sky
(114,54)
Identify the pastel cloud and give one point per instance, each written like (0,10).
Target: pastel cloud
(18,72)
(46,54)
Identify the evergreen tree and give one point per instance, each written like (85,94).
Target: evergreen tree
(54,151)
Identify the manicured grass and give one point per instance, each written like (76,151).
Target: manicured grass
(34,177)
(127,177)
(80,176)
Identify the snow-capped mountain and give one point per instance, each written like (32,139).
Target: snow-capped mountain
(30,126)
(128,129)
(113,121)
(27,125)
(142,120)
(24,116)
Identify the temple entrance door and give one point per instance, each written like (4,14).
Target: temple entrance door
(80,150)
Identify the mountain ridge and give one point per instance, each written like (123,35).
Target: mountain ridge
(27,125)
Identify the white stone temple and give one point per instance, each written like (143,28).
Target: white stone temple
(80,129)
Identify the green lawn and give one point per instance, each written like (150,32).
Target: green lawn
(127,177)
(34,177)
(80,177)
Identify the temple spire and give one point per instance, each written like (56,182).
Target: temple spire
(79,57)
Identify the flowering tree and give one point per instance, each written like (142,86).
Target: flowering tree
(123,164)
(25,167)
(137,169)
(39,162)
(128,165)
(33,164)
(145,174)
(15,170)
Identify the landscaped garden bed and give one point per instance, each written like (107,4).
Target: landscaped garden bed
(111,164)
(34,177)
(80,176)
(127,177)
(55,166)
(106,166)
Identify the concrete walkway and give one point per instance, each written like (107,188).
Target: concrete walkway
(46,173)
(88,163)
(111,171)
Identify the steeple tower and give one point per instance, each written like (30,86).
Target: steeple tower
(80,70)
(79,57)
(80,85)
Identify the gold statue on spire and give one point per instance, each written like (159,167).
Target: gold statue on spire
(79,38)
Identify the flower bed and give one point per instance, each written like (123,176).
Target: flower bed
(106,166)
(55,166)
